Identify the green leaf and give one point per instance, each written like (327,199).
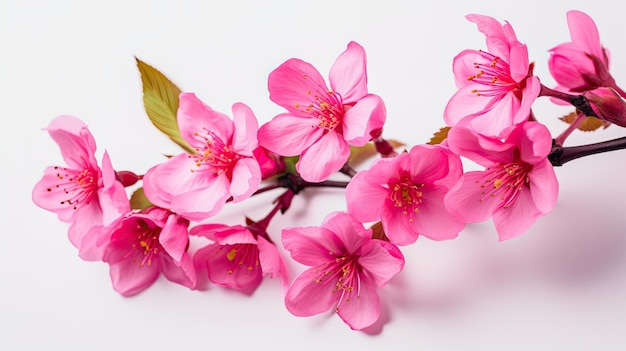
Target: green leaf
(160,99)
(439,136)
(290,164)
(139,201)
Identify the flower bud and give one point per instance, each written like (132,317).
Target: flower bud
(608,105)
(271,163)
(127,178)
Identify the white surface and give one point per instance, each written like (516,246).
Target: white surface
(561,286)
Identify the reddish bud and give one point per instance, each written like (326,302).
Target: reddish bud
(608,105)
(127,178)
(271,164)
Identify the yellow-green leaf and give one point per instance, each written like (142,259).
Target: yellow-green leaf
(359,154)
(589,124)
(139,201)
(439,136)
(160,99)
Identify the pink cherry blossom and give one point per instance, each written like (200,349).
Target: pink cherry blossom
(347,266)
(143,245)
(197,186)
(496,87)
(321,123)
(518,184)
(80,193)
(237,258)
(583,63)
(406,193)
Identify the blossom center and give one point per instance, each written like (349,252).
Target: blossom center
(344,271)
(244,256)
(146,247)
(505,182)
(326,106)
(79,186)
(214,155)
(405,195)
(494,74)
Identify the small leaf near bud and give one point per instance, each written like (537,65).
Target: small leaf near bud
(589,124)
(378,232)
(139,201)
(360,154)
(439,136)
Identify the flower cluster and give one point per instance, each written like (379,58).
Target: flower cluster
(405,193)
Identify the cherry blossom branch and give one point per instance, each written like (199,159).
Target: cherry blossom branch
(561,155)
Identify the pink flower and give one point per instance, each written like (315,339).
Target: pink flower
(197,186)
(238,258)
(582,64)
(142,245)
(80,193)
(406,193)
(347,267)
(321,123)
(496,87)
(517,186)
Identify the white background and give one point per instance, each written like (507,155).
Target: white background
(561,286)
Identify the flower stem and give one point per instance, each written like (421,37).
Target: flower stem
(561,155)
(560,140)
(347,170)
(578,101)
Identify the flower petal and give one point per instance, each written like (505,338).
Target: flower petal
(128,278)
(272,262)
(246,178)
(348,75)
(174,237)
(289,135)
(76,143)
(202,203)
(360,120)
(358,192)
(361,310)
(195,117)
(350,232)
(311,246)
(306,297)
(182,272)
(246,129)
(584,32)
(323,158)
(175,176)
(515,220)
(223,270)
(381,263)
(467,201)
(433,220)
(428,163)
(485,151)
(544,186)
(397,226)
(294,85)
